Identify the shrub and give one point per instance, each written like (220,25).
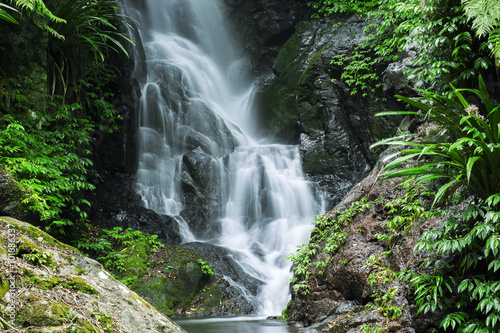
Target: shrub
(466,257)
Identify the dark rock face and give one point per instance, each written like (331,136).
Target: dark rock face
(264,26)
(201,184)
(12,194)
(223,264)
(305,102)
(115,203)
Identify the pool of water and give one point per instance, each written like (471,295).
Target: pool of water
(245,324)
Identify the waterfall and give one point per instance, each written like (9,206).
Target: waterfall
(192,102)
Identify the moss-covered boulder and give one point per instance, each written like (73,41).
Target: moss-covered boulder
(47,286)
(178,281)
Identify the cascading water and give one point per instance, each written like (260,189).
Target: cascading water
(191,103)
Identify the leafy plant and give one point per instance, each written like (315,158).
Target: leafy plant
(327,229)
(5,15)
(90,34)
(449,50)
(464,283)
(485,17)
(472,157)
(383,278)
(358,71)
(205,267)
(405,212)
(45,158)
(36,257)
(110,246)
(35,8)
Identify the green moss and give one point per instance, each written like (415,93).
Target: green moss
(15,193)
(80,271)
(174,279)
(291,57)
(277,112)
(37,234)
(212,296)
(305,77)
(4,286)
(79,284)
(38,312)
(74,283)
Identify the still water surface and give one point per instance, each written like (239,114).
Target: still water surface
(234,325)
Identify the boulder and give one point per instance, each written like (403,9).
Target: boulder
(47,286)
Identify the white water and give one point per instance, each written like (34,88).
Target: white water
(269,206)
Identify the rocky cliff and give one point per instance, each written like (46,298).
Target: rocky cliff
(352,280)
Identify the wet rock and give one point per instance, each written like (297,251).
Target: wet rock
(68,291)
(12,195)
(305,102)
(225,267)
(263,27)
(116,203)
(201,183)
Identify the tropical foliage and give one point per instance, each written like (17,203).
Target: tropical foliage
(54,97)
(451,48)
(471,155)
(465,252)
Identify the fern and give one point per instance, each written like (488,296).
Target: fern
(495,42)
(484,14)
(485,17)
(38,7)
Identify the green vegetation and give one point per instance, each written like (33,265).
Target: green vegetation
(459,40)
(468,154)
(123,252)
(53,97)
(328,229)
(205,267)
(458,160)
(405,212)
(466,250)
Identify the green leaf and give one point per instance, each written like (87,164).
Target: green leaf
(5,16)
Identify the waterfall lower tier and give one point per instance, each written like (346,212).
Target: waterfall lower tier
(197,151)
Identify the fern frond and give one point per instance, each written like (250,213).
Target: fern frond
(38,6)
(484,14)
(495,42)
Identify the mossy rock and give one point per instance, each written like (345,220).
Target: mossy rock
(12,195)
(40,312)
(290,61)
(277,112)
(175,280)
(37,234)
(4,285)
(79,284)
